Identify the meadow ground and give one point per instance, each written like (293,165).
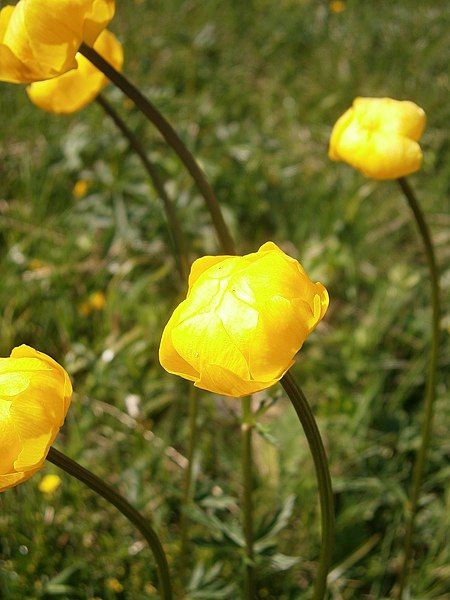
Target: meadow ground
(253,88)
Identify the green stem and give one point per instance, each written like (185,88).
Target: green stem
(247,500)
(317,449)
(171,216)
(106,491)
(172,138)
(188,491)
(430,392)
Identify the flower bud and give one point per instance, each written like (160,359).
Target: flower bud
(73,90)
(35,393)
(378,136)
(243,321)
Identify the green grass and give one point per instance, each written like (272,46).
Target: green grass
(253,88)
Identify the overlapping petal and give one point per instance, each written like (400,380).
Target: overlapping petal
(379,137)
(39,39)
(35,394)
(75,89)
(243,321)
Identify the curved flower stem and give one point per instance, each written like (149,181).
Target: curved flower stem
(317,449)
(171,216)
(188,491)
(172,138)
(430,392)
(247,501)
(106,491)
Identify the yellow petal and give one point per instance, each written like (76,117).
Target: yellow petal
(12,384)
(77,88)
(238,318)
(202,340)
(217,379)
(282,328)
(169,358)
(10,444)
(10,480)
(203,264)
(339,128)
(402,117)
(34,451)
(97,18)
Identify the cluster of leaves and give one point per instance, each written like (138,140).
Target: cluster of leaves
(253,88)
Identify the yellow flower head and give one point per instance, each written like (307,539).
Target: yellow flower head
(75,89)
(35,393)
(97,300)
(114,585)
(337,6)
(81,186)
(378,136)
(243,321)
(49,484)
(40,38)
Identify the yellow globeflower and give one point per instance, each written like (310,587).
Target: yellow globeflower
(40,38)
(35,393)
(76,88)
(243,321)
(378,136)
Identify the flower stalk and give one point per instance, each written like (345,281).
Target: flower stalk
(430,391)
(317,449)
(109,493)
(188,491)
(178,237)
(247,497)
(172,138)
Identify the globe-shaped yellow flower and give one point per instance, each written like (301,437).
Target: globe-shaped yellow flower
(73,90)
(243,321)
(40,38)
(379,137)
(35,394)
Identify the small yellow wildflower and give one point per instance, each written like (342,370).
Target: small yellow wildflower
(337,6)
(128,103)
(80,188)
(84,309)
(114,585)
(35,264)
(49,484)
(97,300)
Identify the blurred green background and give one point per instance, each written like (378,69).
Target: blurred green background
(253,88)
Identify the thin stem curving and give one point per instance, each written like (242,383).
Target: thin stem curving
(109,493)
(188,491)
(172,138)
(247,499)
(430,392)
(317,449)
(169,210)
